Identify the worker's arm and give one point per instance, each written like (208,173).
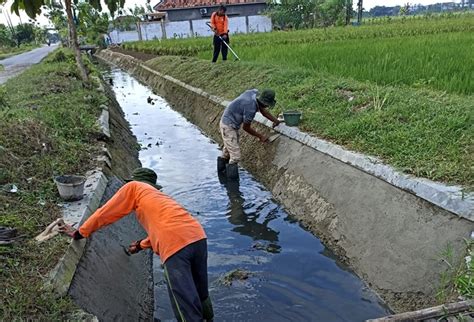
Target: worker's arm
(120,205)
(248,116)
(248,128)
(269,116)
(213,21)
(145,243)
(226,26)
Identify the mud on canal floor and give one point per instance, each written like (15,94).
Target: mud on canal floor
(262,265)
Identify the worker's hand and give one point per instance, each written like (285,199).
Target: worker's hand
(276,123)
(263,138)
(70,231)
(134,247)
(224,36)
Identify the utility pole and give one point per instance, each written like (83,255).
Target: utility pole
(359,11)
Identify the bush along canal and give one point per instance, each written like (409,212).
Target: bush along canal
(262,265)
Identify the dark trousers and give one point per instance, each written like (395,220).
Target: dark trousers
(186,277)
(220,46)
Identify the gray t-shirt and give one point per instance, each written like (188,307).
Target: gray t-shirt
(241,110)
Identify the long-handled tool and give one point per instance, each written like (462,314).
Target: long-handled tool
(225,42)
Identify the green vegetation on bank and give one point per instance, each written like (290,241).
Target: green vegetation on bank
(401,91)
(47,127)
(458,279)
(419,131)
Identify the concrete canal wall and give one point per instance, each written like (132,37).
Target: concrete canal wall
(95,272)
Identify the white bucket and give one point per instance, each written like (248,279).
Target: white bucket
(70,187)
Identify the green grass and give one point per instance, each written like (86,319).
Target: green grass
(458,279)
(444,62)
(419,131)
(47,127)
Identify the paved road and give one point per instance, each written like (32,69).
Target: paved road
(18,63)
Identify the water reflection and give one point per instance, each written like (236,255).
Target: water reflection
(246,222)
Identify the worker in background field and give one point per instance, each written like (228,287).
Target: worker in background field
(240,111)
(220,26)
(173,234)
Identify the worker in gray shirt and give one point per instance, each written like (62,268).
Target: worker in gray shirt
(240,111)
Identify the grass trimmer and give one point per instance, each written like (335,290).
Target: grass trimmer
(225,43)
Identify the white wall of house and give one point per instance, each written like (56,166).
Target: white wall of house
(118,37)
(151,30)
(237,25)
(201,29)
(178,29)
(260,24)
(182,29)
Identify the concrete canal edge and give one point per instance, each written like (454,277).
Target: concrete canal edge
(389,227)
(95,272)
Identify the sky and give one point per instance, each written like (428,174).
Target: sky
(368,4)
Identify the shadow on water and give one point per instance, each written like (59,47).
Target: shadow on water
(292,276)
(246,223)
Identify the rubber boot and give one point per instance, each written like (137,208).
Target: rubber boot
(232,171)
(221,163)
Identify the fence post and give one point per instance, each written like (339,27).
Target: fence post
(163,29)
(191,27)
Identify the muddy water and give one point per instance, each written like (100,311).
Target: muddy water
(290,275)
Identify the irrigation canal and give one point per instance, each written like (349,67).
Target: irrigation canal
(291,275)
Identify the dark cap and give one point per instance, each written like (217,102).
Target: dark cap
(267,97)
(144,175)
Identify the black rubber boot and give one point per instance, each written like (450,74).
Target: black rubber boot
(232,171)
(221,163)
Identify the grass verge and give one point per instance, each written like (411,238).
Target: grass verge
(47,127)
(419,131)
(457,280)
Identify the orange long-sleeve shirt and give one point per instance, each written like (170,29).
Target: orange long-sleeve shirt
(221,23)
(169,226)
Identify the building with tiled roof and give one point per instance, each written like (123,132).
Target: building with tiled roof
(179,10)
(180,4)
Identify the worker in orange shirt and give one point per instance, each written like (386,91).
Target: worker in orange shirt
(220,26)
(173,234)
